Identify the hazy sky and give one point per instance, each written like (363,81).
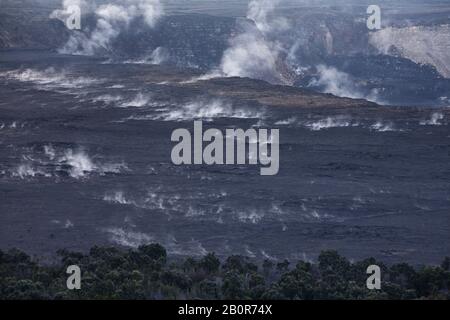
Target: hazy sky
(239,7)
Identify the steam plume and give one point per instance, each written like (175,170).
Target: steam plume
(251,53)
(112,19)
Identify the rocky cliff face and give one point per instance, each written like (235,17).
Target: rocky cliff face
(25,25)
(187,40)
(14,34)
(422,44)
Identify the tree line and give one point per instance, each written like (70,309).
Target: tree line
(147,273)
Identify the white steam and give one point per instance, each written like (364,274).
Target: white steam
(53,162)
(206,110)
(112,19)
(434,121)
(249,56)
(157,57)
(260,11)
(128,238)
(338,83)
(251,53)
(330,122)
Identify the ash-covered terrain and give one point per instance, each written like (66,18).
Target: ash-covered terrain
(86,118)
